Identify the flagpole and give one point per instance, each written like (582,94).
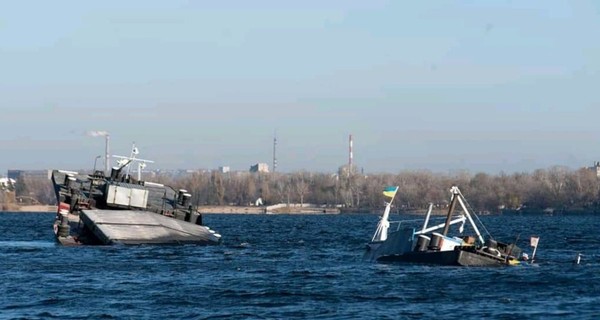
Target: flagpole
(383,225)
(534,241)
(533,255)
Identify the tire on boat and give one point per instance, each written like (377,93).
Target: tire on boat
(63,231)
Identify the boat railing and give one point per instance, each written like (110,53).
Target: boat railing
(396,225)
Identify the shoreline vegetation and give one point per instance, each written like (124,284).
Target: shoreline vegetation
(283,209)
(554,190)
(309,209)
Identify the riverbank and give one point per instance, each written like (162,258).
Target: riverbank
(206,209)
(230,209)
(30,208)
(276,209)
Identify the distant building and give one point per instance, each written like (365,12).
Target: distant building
(596,168)
(175,173)
(260,167)
(20,174)
(224,169)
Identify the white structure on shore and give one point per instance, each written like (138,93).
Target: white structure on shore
(6,183)
(260,167)
(224,169)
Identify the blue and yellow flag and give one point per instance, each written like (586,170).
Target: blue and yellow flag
(390,191)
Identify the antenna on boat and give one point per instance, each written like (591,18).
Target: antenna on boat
(126,161)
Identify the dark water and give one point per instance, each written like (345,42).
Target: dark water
(285,267)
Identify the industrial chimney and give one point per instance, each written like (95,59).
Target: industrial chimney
(350,155)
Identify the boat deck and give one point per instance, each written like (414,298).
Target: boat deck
(138,227)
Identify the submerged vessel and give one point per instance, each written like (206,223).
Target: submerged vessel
(409,241)
(95,209)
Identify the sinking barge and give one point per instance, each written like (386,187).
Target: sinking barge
(119,209)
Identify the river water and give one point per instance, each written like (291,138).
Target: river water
(293,267)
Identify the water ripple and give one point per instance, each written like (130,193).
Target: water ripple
(286,267)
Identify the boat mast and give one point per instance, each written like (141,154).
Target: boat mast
(457,196)
(454,191)
(468,214)
(427,217)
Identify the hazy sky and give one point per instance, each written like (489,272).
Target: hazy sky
(439,85)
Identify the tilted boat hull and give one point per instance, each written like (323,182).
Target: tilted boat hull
(448,258)
(119,209)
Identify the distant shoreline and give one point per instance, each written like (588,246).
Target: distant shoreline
(201,210)
(32,209)
(210,210)
(292,209)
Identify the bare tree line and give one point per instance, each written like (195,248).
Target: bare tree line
(31,190)
(556,187)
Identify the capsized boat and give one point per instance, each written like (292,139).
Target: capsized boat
(433,244)
(120,209)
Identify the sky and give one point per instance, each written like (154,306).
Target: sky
(481,86)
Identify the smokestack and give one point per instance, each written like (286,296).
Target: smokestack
(350,155)
(106,150)
(275,152)
(107,156)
